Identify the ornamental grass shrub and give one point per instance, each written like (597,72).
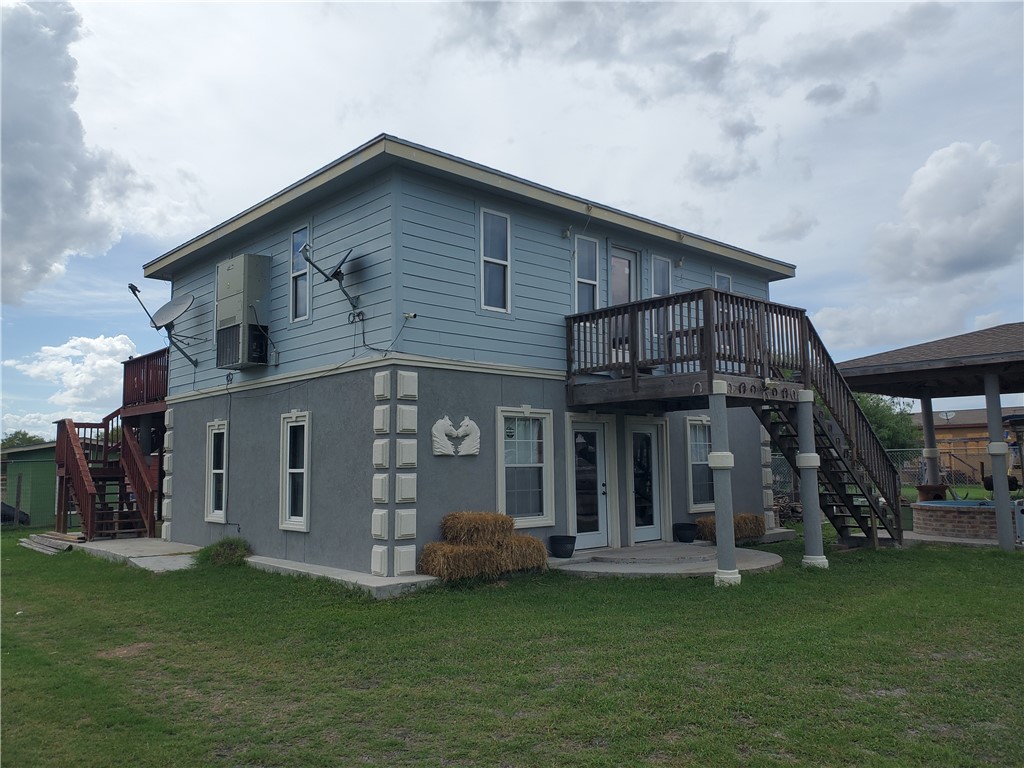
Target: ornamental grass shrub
(228,551)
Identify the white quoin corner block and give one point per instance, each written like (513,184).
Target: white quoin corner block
(408,385)
(406,454)
(379,524)
(405,523)
(380,488)
(405,489)
(382,385)
(379,560)
(381,451)
(382,419)
(405,560)
(407,419)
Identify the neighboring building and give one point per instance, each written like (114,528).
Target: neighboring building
(962,439)
(402,334)
(33,466)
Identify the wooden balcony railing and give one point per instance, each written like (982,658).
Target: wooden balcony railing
(145,379)
(710,333)
(697,332)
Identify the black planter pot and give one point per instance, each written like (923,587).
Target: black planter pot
(562,546)
(684,532)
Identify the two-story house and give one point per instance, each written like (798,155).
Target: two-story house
(403,334)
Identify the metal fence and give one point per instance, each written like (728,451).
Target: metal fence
(958,468)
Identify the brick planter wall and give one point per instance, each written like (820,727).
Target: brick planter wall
(970,522)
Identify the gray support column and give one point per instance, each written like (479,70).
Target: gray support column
(997,450)
(931,446)
(808,461)
(720,460)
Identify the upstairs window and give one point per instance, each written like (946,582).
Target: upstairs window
(586,274)
(662,281)
(495,247)
(300,275)
(723,282)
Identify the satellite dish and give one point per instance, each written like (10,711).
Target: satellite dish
(171,311)
(165,317)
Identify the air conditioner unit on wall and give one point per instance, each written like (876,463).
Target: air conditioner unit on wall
(242,304)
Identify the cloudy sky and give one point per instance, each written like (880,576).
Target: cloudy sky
(877,146)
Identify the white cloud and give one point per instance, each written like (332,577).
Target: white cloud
(60,197)
(962,214)
(87,372)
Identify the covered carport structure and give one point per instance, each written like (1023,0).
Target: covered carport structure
(988,362)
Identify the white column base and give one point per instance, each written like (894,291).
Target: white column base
(165,531)
(814,561)
(727,578)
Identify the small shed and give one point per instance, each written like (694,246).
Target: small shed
(35,466)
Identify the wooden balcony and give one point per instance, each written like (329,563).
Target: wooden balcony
(145,384)
(667,351)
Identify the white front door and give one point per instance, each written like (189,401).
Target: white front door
(645,488)
(591,486)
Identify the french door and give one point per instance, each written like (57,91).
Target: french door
(645,502)
(591,485)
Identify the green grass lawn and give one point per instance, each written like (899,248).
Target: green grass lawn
(889,658)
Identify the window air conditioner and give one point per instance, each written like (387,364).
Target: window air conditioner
(242,303)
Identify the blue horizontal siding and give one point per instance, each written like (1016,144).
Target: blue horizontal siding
(415,248)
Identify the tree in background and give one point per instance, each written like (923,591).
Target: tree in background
(890,418)
(20,438)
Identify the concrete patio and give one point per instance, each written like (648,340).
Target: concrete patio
(661,559)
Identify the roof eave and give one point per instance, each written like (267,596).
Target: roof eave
(439,162)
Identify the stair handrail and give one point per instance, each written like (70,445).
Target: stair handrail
(71,457)
(837,396)
(139,479)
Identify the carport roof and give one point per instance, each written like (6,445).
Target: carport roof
(952,367)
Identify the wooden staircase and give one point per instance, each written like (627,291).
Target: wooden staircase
(849,497)
(103,475)
(858,486)
(677,346)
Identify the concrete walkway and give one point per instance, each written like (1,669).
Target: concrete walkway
(154,555)
(654,559)
(662,559)
(161,556)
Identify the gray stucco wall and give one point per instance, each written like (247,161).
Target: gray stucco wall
(350,411)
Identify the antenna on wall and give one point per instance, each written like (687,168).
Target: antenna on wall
(164,317)
(306,250)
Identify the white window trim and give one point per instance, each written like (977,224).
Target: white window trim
(596,282)
(726,276)
(547,436)
(211,515)
(507,309)
(654,272)
(694,507)
(288,523)
(292,274)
